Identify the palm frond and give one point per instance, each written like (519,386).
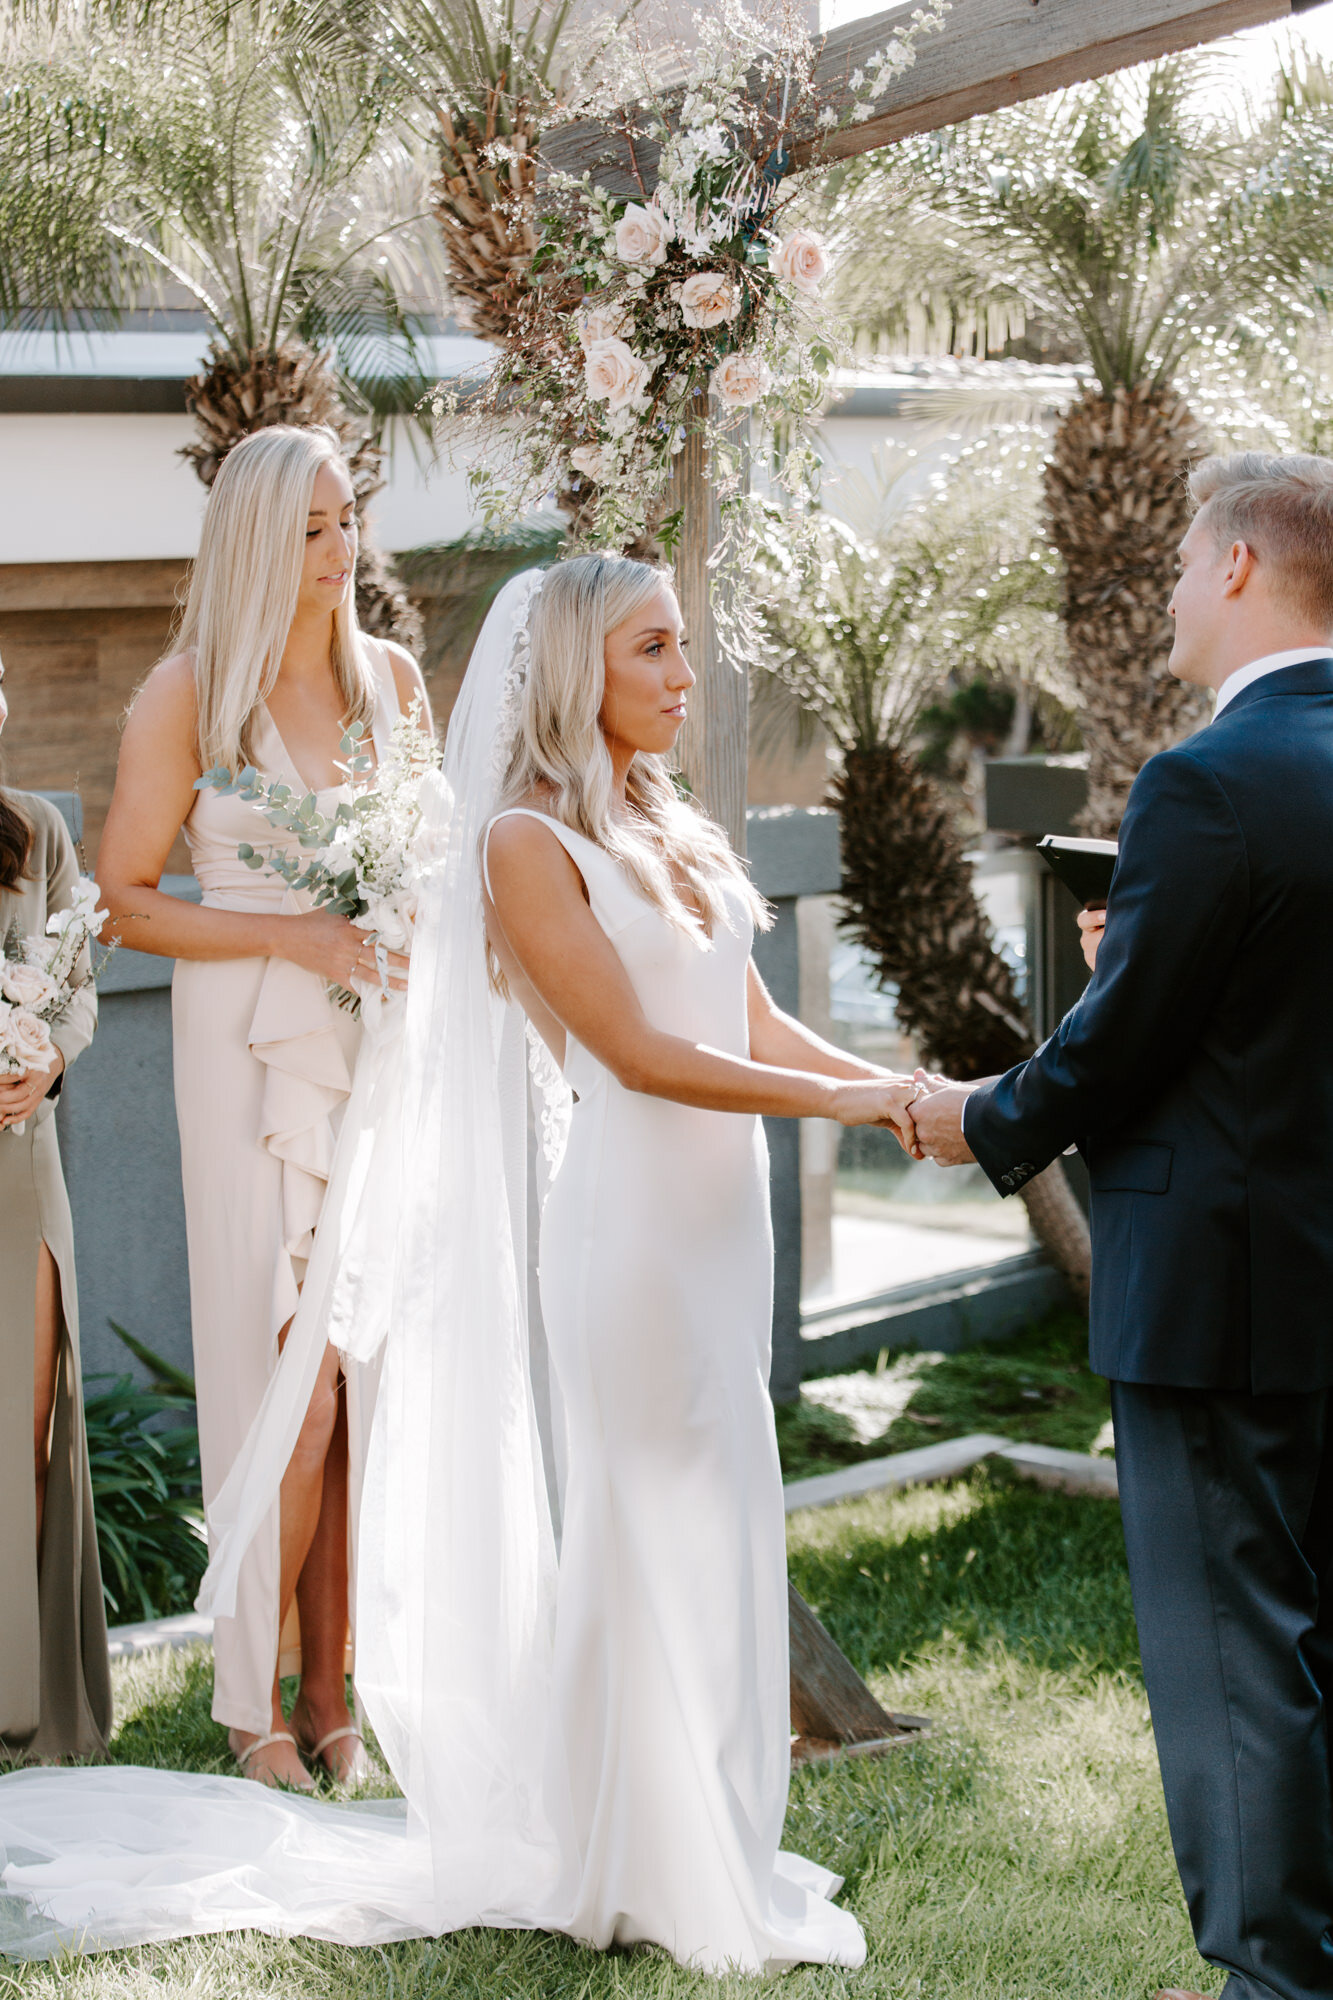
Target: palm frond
(196,146)
(1127,217)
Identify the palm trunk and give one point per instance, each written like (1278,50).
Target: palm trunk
(1118,507)
(908,890)
(485,209)
(292,384)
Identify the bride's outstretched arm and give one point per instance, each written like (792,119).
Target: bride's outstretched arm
(555,953)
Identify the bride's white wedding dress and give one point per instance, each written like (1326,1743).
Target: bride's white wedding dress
(599,1747)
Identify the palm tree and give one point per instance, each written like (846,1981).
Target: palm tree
(863,634)
(1139,229)
(198,154)
(489,74)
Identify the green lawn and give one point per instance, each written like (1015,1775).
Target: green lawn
(1035,1386)
(1017,1853)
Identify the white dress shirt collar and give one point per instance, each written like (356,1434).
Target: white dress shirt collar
(1270,663)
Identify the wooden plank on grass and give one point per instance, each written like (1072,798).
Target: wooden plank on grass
(831,1706)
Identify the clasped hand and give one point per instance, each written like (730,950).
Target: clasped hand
(924,1111)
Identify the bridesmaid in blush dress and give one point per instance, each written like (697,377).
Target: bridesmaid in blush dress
(270,669)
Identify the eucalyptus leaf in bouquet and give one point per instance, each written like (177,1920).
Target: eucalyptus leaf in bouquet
(359,861)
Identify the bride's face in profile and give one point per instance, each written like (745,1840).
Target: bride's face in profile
(647,678)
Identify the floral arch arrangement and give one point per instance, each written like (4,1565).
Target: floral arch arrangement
(650,318)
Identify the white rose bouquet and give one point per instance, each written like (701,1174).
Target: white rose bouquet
(362,860)
(39,978)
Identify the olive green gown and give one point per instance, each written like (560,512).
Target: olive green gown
(55,1684)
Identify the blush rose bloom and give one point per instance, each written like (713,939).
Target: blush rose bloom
(739,380)
(642,235)
(613,374)
(709,298)
(26,985)
(26,1040)
(603,323)
(802,260)
(590,460)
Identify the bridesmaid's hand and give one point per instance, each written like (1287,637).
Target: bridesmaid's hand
(21,1095)
(336,949)
(880,1101)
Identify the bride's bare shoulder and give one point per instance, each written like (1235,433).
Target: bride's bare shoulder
(522,853)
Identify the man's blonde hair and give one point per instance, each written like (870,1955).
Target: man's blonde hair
(1281,507)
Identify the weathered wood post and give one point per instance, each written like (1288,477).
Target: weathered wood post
(714,744)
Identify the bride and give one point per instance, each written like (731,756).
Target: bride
(594,1743)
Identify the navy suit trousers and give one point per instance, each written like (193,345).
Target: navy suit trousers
(1227,1502)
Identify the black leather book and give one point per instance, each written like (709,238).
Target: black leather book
(1084,866)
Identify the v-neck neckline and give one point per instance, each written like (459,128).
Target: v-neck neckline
(294,769)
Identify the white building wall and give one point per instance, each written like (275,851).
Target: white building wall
(114,489)
(96,489)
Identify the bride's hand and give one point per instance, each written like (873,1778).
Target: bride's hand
(880,1101)
(336,949)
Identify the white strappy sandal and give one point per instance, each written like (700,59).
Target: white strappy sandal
(271,1778)
(356,1766)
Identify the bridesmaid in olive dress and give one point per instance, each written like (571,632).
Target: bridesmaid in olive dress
(55,1685)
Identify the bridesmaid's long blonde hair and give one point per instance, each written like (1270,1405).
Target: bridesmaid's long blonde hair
(560,751)
(244,584)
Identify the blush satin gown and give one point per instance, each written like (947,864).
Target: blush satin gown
(263,1064)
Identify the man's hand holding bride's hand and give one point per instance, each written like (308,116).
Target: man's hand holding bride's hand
(937,1116)
(886,1100)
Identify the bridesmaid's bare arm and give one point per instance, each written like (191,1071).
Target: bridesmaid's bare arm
(154,793)
(548,941)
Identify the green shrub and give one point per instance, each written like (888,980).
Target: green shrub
(143,1453)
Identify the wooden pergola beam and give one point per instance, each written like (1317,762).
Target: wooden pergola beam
(989,53)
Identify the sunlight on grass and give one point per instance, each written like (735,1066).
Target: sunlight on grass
(1035,1387)
(1019,1852)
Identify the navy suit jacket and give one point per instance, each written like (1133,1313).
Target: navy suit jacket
(1196,1072)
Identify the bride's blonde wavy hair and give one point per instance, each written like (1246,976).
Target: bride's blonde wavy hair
(560,751)
(244,584)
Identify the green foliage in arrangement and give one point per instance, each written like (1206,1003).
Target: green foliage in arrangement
(143,1453)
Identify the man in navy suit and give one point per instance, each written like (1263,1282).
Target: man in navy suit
(1196,1076)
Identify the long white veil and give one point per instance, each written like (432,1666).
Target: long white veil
(420,1259)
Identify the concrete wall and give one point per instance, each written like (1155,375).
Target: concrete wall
(122,1163)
